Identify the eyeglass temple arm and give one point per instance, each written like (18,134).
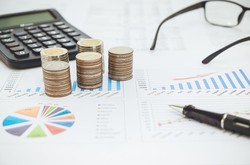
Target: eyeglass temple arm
(215,54)
(187,9)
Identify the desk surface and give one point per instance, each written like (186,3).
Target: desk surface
(130,122)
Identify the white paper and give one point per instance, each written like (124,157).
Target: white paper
(130,122)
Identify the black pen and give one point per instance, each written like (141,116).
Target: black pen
(223,121)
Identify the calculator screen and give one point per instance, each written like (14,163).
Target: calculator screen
(27,18)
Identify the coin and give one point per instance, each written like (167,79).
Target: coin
(55,66)
(88,57)
(54,51)
(90,86)
(120,78)
(121,50)
(54,54)
(89,43)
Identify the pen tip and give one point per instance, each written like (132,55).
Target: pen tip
(176,107)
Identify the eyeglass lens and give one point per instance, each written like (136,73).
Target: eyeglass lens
(222,13)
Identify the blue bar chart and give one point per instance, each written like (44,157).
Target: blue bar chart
(20,82)
(223,80)
(108,85)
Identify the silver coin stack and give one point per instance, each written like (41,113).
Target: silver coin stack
(56,72)
(89,70)
(121,63)
(91,45)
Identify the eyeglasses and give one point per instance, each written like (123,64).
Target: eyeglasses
(215,54)
(218,13)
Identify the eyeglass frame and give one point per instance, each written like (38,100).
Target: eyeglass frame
(199,5)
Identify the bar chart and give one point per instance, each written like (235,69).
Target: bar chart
(232,79)
(18,82)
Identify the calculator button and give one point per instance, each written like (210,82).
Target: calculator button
(44,26)
(37,51)
(8,40)
(25,37)
(73,34)
(48,29)
(30,28)
(35,45)
(54,46)
(12,44)
(7,31)
(69,30)
(63,27)
(58,36)
(69,45)
(30,41)
(20,33)
(63,40)
(5,36)
(34,31)
(21,54)
(78,38)
(58,23)
(51,42)
(36,35)
(53,32)
(45,38)
(15,49)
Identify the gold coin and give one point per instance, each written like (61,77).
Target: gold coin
(90,86)
(90,76)
(55,66)
(57,83)
(90,71)
(89,57)
(121,78)
(121,50)
(53,51)
(89,43)
(58,94)
(120,73)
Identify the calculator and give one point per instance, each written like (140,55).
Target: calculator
(23,35)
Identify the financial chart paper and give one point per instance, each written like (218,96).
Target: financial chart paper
(130,122)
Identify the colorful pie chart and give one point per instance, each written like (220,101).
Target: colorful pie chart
(39,121)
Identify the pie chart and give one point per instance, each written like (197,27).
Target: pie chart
(39,121)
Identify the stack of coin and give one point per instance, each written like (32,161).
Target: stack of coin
(91,45)
(89,70)
(54,54)
(56,71)
(56,75)
(121,63)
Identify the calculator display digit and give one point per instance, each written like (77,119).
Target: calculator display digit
(16,20)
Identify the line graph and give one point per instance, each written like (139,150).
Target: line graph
(160,122)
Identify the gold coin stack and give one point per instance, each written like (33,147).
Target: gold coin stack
(56,72)
(91,45)
(121,63)
(89,70)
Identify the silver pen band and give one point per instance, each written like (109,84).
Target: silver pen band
(222,120)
